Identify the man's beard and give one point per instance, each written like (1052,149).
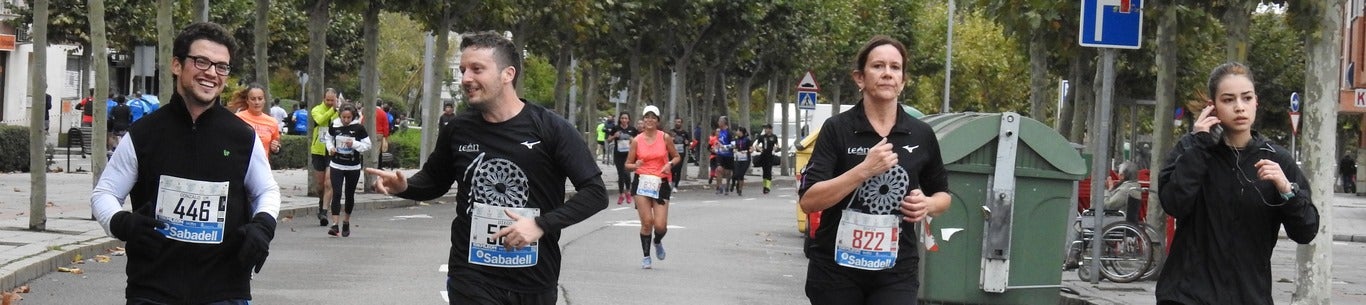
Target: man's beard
(482,106)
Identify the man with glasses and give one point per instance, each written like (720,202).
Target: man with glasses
(203,199)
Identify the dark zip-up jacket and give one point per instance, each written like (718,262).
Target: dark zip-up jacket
(1221,253)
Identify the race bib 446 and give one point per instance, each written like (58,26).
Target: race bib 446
(194,211)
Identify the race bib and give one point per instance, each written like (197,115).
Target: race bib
(649,186)
(344,144)
(623,145)
(194,211)
(866,241)
(741,156)
(487,220)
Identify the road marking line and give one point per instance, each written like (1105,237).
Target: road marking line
(620,208)
(445,296)
(635,223)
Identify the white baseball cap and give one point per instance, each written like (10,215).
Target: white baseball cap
(650,109)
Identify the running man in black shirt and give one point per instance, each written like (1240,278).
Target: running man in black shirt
(511,158)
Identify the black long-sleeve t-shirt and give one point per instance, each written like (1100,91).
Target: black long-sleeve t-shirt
(1228,220)
(844,142)
(521,162)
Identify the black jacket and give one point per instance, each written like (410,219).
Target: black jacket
(1221,253)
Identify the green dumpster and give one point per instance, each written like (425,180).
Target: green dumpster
(1012,180)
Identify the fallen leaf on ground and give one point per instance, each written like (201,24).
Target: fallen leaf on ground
(10,298)
(70,270)
(102,258)
(21,289)
(16,190)
(79,259)
(51,204)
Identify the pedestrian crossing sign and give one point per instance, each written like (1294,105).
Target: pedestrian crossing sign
(806,100)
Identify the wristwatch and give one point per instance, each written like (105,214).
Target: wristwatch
(1291,193)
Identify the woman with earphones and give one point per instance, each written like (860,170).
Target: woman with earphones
(1231,190)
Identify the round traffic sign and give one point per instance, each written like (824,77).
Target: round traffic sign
(1294,102)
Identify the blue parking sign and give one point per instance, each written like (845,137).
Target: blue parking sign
(1112,24)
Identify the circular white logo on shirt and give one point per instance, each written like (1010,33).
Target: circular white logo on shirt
(882,194)
(499,182)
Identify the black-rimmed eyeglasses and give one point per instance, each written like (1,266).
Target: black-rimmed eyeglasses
(203,63)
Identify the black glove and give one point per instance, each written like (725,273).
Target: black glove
(257,235)
(138,230)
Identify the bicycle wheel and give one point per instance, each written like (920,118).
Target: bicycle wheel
(1126,252)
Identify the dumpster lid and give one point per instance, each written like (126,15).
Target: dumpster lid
(970,131)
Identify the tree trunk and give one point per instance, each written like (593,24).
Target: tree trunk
(1321,76)
(317,57)
(632,85)
(1237,20)
(37,139)
(1038,76)
(440,62)
(681,90)
(743,92)
(1085,95)
(261,36)
(370,89)
(428,111)
(165,41)
(100,44)
(590,99)
(562,60)
(1068,112)
(1167,102)
(201,10)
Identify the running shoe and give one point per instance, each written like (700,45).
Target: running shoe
(645,263)
(659,251)
(621,198)
(322,218)
(630,200)
(332,231)
(346,229)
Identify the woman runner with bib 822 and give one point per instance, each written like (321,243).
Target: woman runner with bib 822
(652,156)
(875,172)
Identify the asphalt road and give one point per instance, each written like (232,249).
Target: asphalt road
(722,250)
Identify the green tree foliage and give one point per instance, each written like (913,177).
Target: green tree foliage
(989,73)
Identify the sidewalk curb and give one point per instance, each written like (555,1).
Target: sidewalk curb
(1349,238)
(28,269)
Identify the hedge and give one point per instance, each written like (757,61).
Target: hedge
(293,153)
(14,154)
